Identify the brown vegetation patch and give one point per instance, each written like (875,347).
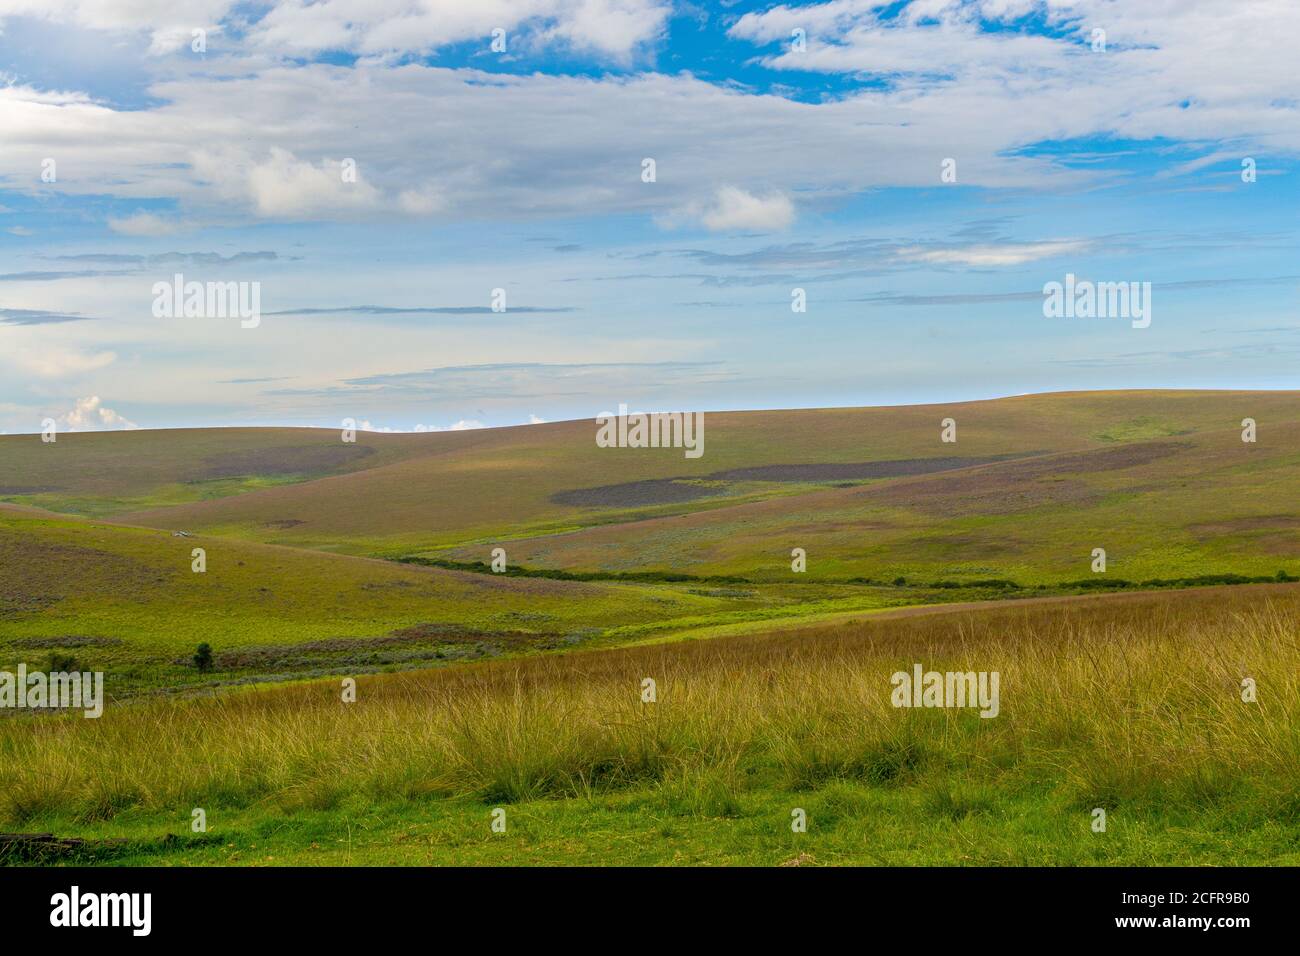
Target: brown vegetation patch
(35,573)
(281,460)
(68,640)
(663,491)
(632,494)
(1015,486)
(1247,523)
(848,471)
(404,646)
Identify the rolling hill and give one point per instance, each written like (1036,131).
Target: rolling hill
(773,471)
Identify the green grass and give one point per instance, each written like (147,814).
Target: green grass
(848,824)
(1129,703)
(126,601)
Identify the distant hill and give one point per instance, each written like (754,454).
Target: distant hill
(1160,479)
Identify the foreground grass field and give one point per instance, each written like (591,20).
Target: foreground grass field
(1129,703)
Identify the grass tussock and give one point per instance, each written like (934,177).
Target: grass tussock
(1125,700)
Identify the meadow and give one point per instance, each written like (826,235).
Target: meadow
(1132,704)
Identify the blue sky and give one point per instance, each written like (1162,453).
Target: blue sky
(777,167)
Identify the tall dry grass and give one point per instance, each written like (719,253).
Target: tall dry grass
(1103,700)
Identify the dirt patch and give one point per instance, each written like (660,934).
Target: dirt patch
(27,489)
(632,494)
(282,460)
(284,524)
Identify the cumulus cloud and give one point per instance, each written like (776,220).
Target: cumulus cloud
(734,208)
(90,414)
(463,425)
(949,79)
(169,23)
(612,28)
(282,186)
(1182,69)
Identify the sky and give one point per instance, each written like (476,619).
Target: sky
(389,174)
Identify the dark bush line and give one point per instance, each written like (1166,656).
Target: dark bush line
(479,567)
(1098,583)
(1199,581)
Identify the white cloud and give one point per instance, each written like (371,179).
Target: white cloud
(143,224)
(463,143)
(421,202)
(50,361)
(90,414)
(463,425)
(734,208)
(285,187)
(613,28)
(994,254)
(168,22)
(460,426)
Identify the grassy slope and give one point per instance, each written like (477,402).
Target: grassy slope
(1199,504)
(1127,702)
(132,593)
(103,473)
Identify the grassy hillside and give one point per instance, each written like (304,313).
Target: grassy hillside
(517,482)
(103,473)
(1127,703)
(1201,503)
(126,601)
(886,512)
